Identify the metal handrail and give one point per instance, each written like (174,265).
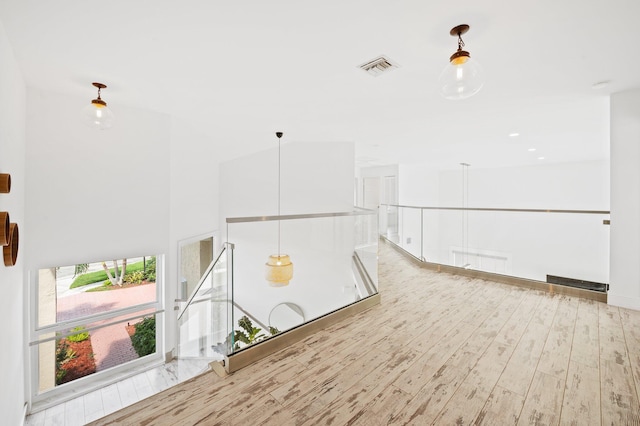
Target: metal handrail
(362,212)
(206,273)
(404,208)
(195,302)
(256,320)
(202,280)
(190,301)
(496,209)
(364,274)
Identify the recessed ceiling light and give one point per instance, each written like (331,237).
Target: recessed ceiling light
(514,134)
(540,158)
(531,149)
(600,84)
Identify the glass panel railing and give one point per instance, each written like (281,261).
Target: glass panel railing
(538,245)
(334,260)
(410,230)
(569,247)
(389,219)
(366,254)
(202,321)
(249,329)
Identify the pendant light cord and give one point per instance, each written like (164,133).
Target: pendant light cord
(279,135)
(278,196)
(465,212)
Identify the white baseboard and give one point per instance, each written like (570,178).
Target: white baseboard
(623,301)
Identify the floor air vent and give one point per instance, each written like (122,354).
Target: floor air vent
(572,282)
(378,66)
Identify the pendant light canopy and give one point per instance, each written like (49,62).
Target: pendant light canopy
(462,77)
(279,269)
(97,114)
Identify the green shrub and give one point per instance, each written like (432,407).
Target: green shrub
(134,278)
(80,336)
(70,354)
(60,373)
(273,330)
(97,276)
(150,269)
(151,264)
(63,354)
(249,334)
(144,338)
(80,269)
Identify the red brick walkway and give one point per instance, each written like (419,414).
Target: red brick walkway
(111,344)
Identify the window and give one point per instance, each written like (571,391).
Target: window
(91,318)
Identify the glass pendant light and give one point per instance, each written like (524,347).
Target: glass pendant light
(97,114)
(279,269)
(462,77)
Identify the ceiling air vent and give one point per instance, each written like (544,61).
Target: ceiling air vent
(379,66)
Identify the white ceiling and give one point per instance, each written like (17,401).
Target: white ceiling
(238,71)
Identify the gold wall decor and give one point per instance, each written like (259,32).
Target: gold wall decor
(8,230)
(5,183)
(10,251)
(4,228)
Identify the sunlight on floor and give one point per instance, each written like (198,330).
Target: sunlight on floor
(109,399)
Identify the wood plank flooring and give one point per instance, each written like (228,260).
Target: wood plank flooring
(440,349)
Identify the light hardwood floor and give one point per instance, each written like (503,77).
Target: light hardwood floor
(440,349)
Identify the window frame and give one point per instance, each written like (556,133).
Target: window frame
(37,335)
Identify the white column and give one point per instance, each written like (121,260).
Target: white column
(625,200)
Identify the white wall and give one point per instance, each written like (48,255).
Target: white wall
(94,195)
(379,173)
(135,189)
(379,179)
(194,201)
(419,185)
(625,199)
(580,185)
(316,178)
(533,244)
(12,279)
